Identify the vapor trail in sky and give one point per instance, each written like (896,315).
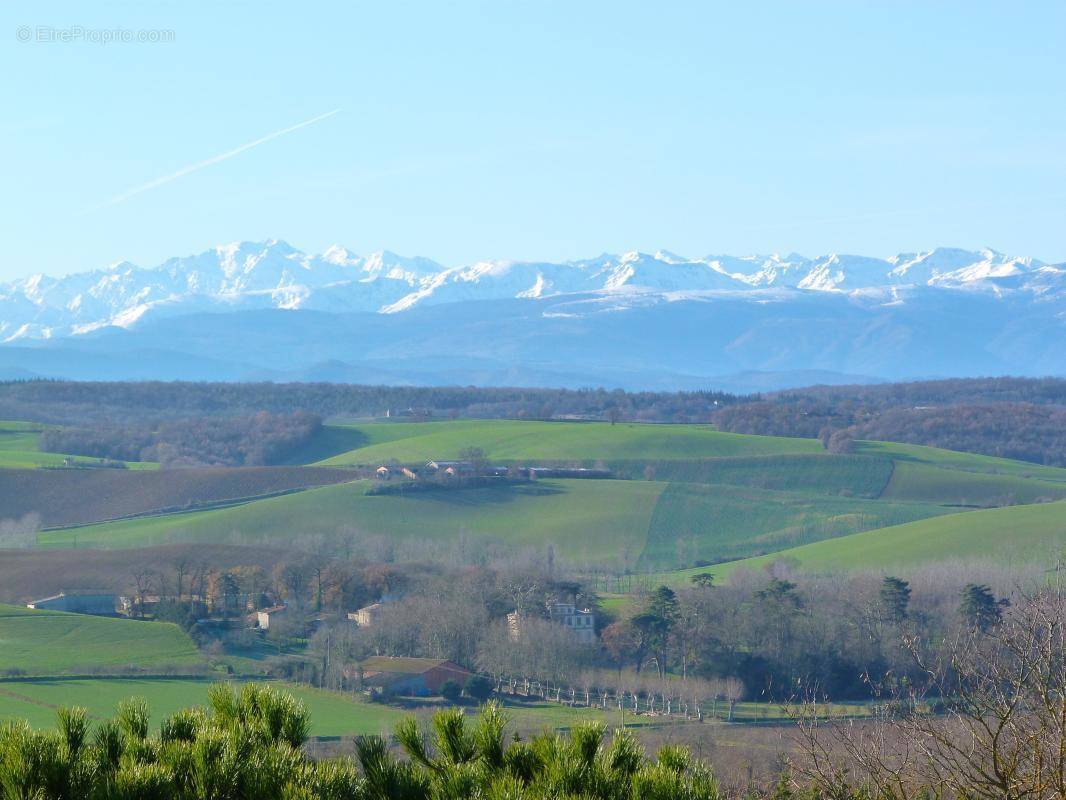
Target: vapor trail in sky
(173,176)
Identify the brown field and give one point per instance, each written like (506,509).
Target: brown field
(28,574)
(77,496)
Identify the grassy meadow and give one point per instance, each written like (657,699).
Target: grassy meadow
(18,449)
(1028,534)
(685,493)
(53,643)
(332,713)
(717,523)
(517,440)
(817,473)
(584,519)
(927,483)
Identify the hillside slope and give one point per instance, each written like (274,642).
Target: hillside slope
(80,496)
(1033,534)
(510,440)
(51,642)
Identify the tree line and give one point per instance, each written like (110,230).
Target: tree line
(71,403)
(259,439)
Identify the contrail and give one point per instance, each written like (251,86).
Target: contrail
(173,176)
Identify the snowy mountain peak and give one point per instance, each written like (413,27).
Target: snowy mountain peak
(274,274)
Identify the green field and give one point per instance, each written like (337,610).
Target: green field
(53,643)
(332,714)
(952,459)
(637,523)
(818,473)
(18,449)
(716,523)
(1034,534)
(686,493)
(583,519)
(510,440)
(932,484)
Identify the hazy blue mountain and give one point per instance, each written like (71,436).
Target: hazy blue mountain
(266,311)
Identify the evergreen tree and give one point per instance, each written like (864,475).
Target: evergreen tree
(895,598)
(980,608)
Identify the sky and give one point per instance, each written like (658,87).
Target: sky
(529,129)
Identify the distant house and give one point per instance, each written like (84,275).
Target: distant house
(267,616)
(383,473)
(450,467)
(412,677)
(79,601)
(138,606)
(580,622)
(409,472)
(367,616)
(407,412)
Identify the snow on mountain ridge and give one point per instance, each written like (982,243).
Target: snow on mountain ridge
(273,274)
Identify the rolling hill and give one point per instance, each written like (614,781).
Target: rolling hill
(80,496)
(517,440)
(645,524)
(1032,534)
(19,450)
(683,494)
(54,643)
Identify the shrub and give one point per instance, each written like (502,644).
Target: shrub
(479,688)
(451,691)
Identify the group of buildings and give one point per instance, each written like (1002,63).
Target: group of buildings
(468,469)
(383,675)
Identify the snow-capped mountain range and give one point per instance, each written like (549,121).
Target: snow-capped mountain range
(274,275)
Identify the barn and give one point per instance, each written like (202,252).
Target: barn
(412,677)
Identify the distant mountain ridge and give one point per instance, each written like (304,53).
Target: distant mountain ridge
(273,274)
(267,311)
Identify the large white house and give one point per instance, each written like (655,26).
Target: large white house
(580,622)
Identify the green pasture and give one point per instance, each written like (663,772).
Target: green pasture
(510,440)
(1033,534)
(927,483)
(818,473)
(953,459)
(581,518)
(52,643)
(695,522)
(19,443)
(332,713)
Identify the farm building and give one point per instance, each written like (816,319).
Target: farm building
(268,615)
(83,601)
(414,677)
(367,616)
(383,473)
(450,467)
(133,606)
(569,472)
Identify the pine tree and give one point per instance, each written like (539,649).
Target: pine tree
(980,608)
(895,598)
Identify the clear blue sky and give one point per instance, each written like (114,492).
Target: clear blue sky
(533,129)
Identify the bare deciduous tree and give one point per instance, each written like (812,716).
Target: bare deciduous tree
(989,721)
